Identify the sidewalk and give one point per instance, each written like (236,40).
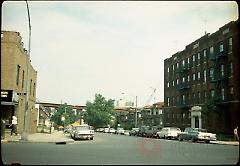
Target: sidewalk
(55,137)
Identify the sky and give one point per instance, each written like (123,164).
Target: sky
(113,48)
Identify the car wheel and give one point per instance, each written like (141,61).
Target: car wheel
(193,140)
(180,139)
(207,141)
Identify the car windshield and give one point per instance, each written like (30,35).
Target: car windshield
(82,128)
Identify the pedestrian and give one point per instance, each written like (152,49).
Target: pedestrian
(236,134)
(14,125)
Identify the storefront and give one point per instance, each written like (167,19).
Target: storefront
(9,105)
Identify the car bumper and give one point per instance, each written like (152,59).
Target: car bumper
(84,136)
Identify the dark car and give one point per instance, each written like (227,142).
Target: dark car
(133,132)
(152,132)
(196,134)
(142,131)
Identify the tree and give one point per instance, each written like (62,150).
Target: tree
(67,112)
(100,112)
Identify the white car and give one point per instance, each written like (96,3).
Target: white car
(168,133)
(120,131)
(106,130)
(112,131)
(82,132)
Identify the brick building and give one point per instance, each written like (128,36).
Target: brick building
(204,74)
(14,63)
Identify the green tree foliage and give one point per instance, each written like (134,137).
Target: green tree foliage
(100,112)
(67,112)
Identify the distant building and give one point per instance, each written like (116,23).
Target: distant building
(205,73)
(14,62)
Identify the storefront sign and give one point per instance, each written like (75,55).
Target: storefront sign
(6,95)
(9,96)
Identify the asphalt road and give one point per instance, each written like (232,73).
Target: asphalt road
(119,149)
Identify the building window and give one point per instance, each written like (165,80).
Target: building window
(173,100)
(18,71)
(211,73)
(230,69)
(231,90)
(173,67)
(204,55)
(205,96)
(199,97)
(177,81)
(168,69)
(222,94)
(229,45)
(193,59)
(183,80)
(211,51)
(177,65)
(188,78)
(31,87)
(221,49)
(212,93)
(222,70)
(168,101)
(199,75)
(183,115)
(168,84)
(204,75)
(193,76)
(34,89)
(183,99)
(183,63)
(23,80)
(198,58)
(188,61)
(173,83)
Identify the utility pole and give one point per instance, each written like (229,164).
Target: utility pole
(136,114)
(26,112)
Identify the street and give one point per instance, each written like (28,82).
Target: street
(119,149)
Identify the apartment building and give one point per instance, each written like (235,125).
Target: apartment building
(201,83)
(16,68)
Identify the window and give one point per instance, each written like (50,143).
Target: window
(204,55)
(23,80)
(212,93)
(177,81)
(168,69)
(193,76)
(198,58)
(199,97)
(173,67)
(193,59)
(231,90)
(183,63)
(221,47)
(168,84)
(168,101)
(31,87)
(183,115)
(205,96)
(199,75)
(34,89)
(188,61)
(173,83)
(222,70)
(173,100)
(18,71)
(222,94)
(177,65)
(229,45)
(211,73)
(183,80)
(183,99)
(188,78)
(211,50)
(204,75)
(230,69)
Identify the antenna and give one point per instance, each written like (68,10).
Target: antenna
(205,22)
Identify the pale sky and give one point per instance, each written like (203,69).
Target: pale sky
(109,47)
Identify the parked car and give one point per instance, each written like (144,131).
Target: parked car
(101,129)
(142,131)
(82,132)
(106,130)
(120,131)
(133,132)
(152,132)
(112,131)
(196,134)
(168,133)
